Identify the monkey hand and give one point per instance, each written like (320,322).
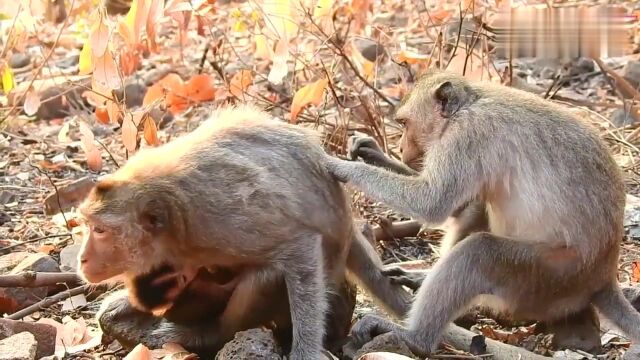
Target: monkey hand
(411,279)
(364,147)
(368,328)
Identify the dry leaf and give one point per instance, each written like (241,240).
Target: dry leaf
(102,115)
(129,132)
(99,37)
(105,71)
(63,134)
(306,95)
(140,352)
(113,110)
(46,249)
(136,19)
(240,82)
(279,67)
(31,102)
(85,62)
(156,10)
(262,49)
(323,8)
(200,88)
(635,271)
(282,18)
(8,81)
(381,355)
(151,132)
(411,57)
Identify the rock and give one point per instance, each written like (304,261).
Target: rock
(633,353)
(580,66)
(631,72)
(9,261)
(21,346)
(7,197)
(370,50)
(388,342)
(251,344)
(16,298)
(69,257)
(621,117)
(68,195)
(133,93)
(38,262)
(4,218)
(44,334)
(19,60)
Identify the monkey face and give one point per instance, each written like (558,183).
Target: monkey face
(126,231)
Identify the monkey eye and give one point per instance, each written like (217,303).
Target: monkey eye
(98,229)
(402,121)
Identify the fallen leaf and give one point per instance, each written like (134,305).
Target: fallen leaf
(635,271)
(31,102)
(8,81)
(411,57)
(323,8)
(140,352)
(240,82)
(105,72)
(63,134)
(281,17)
(99,37)
(46,249)
(156,9)
(151,132)
(85,62)
(279,67)
(136,19)
(261,47)
(102,115)
(382,355)
(306,95)
(200,88)
(113,110)
(129,133)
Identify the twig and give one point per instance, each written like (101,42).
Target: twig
(10,247)
(21,97)
(46,302)
(453,54)
(37,279)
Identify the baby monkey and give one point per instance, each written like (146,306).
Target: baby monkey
(537,195)
(242,192)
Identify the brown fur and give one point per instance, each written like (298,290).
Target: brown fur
(241,191)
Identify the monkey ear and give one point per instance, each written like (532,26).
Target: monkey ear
(154,217)
(448,98)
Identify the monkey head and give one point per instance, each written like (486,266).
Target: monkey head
(133,226)
(425,112)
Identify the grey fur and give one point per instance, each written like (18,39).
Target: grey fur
(554,201)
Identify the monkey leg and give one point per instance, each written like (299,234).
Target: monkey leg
(482,264)
(580,330)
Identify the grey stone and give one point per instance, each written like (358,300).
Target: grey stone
(621,117)
(69,257)
(631,72)
(19,60)
(633,353)
(388,342)
(255,344)
(21,346)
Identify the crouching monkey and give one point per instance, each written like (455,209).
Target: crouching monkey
(539,199)
(242,192)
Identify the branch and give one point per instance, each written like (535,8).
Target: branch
(36,279)
(46,302)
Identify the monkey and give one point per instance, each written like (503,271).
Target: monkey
(242,191)
(552,194)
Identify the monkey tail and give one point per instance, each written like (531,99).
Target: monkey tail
(364,263)
(612,304)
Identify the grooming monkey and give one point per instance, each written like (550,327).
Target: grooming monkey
(241,192)
(552,195)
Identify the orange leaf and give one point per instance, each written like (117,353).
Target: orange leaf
(105,71)
(136,18)
(410,57)
(31,102)
(306,95)
(151,132)
(200,88)
(156,9)
(113,110)
(46,249)
(129,133)
(240,82)
(102,115)
(635,271)
(154,92)
(99,37)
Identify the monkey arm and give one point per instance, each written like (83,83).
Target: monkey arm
(425,197)
(369,151)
